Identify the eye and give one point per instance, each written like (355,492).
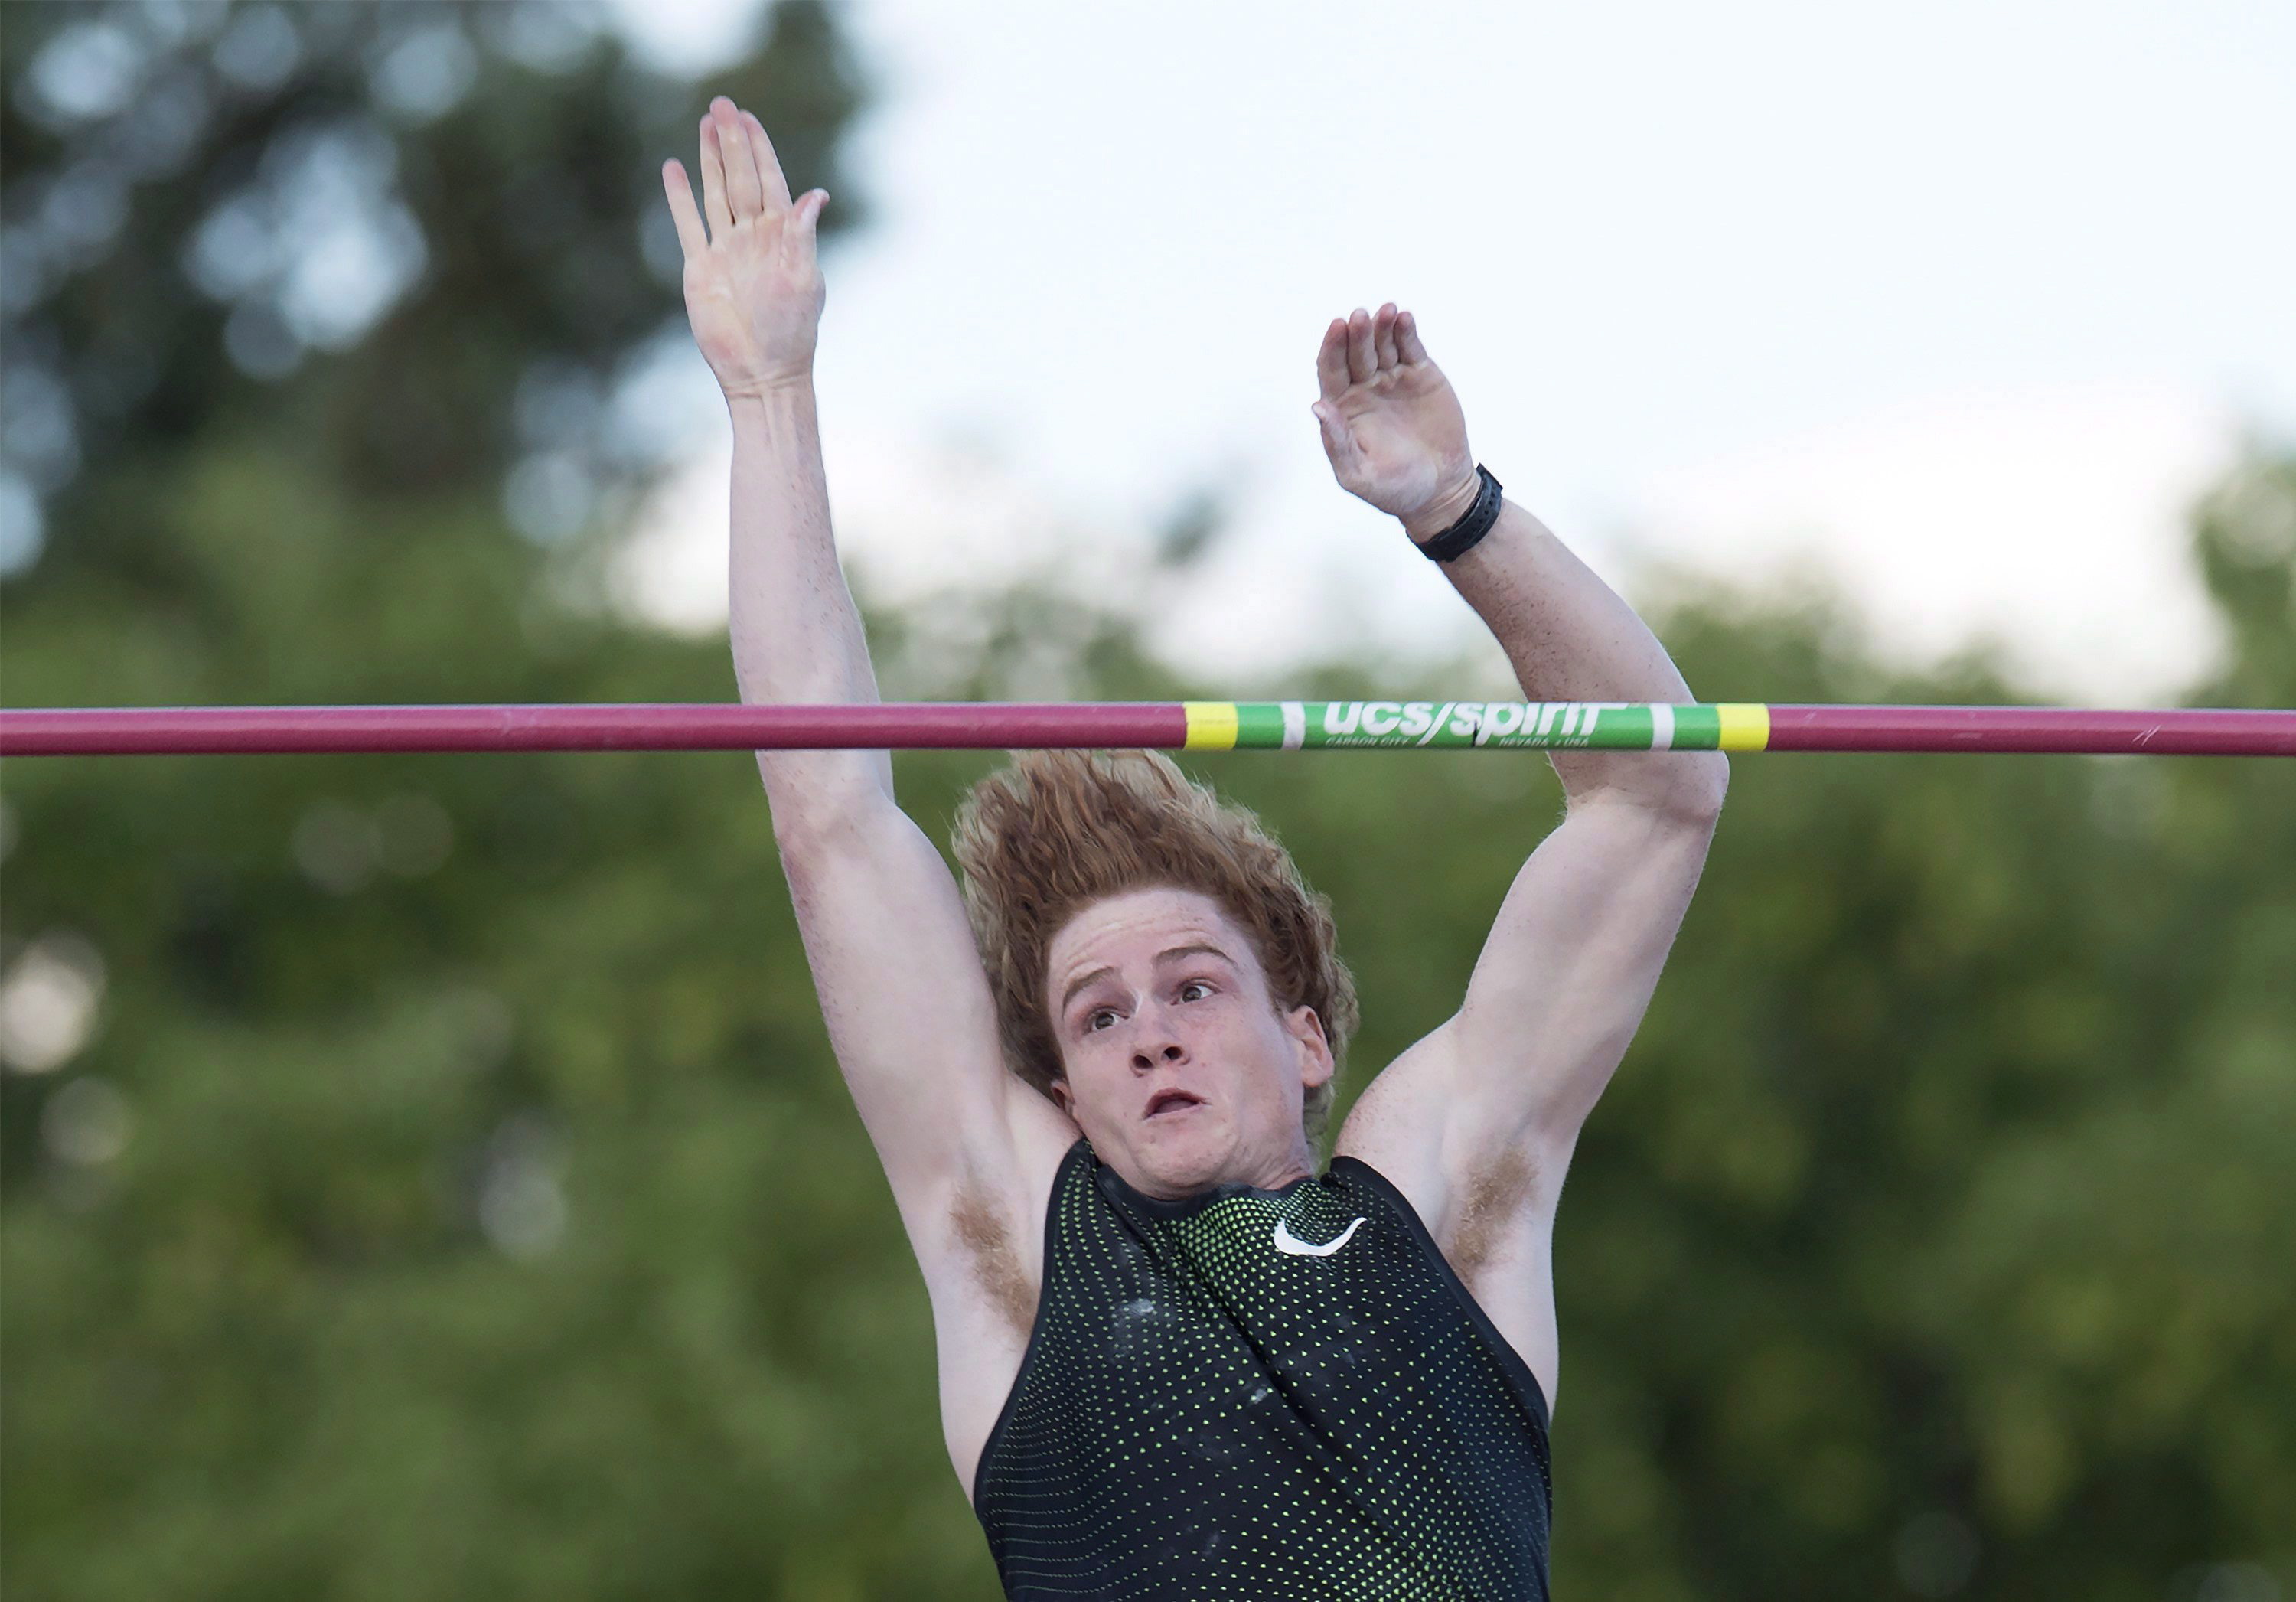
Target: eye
(1092,1019)
(1204,985)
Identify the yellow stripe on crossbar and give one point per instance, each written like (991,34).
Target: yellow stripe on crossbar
(1745,724)
(1211,724)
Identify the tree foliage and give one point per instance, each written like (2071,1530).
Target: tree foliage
(426,1177)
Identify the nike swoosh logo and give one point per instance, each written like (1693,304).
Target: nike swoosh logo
(1285,1241)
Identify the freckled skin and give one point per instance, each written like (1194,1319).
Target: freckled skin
(1196,1023)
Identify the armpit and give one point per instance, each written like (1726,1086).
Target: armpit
(987,1237)
(1493,1201)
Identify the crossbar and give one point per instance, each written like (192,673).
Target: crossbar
(1167,725)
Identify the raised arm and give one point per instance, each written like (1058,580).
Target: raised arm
(1477,1122)
(754,295)
(901,988)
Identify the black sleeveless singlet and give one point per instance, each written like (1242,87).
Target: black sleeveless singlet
(1270,1394)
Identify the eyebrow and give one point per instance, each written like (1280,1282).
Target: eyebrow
(1170,952)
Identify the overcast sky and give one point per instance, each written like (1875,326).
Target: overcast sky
(1962,305)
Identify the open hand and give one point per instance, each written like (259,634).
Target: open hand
(1392,427)
(753,289)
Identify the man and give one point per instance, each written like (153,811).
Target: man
(1176,1361)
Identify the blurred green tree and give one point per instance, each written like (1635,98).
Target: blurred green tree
(415,245)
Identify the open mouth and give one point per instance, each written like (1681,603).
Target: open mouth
(1166,1101)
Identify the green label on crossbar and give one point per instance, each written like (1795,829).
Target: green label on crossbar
(1548,725)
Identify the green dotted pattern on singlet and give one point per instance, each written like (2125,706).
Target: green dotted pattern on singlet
(1202,1415)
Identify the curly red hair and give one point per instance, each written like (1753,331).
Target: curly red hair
(1058,830)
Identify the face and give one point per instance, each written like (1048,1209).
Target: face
(1177,1064)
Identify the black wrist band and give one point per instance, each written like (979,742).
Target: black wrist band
(1460,538)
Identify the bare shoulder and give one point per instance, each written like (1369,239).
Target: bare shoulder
(1486,1192)
(1396,1125)
(1470,1182)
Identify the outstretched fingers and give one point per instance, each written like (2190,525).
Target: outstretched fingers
(713,181)
(742,180)
(1407,339)
(1359,347)
(744,191)
(1332,360)
(1363,356)
(691,238)
(804,220)
(1382,336)
(774,184)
